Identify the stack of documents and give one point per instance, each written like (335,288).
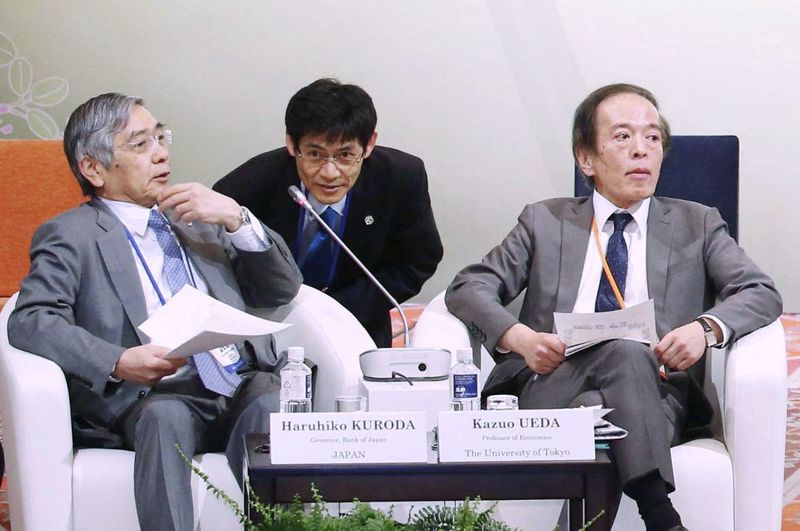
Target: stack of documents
(603,429)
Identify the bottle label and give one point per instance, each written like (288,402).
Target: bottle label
(295,385)
(465,386)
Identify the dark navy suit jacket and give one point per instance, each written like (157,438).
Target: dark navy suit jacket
(390,226)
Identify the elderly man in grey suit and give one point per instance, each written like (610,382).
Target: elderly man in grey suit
(99,270)
(620,246)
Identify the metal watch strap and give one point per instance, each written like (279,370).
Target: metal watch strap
(245,216)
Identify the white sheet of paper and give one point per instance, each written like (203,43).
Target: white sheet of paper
(192,322)
(582,330)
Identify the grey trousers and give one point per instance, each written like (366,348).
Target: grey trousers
(622,375)
(183,412)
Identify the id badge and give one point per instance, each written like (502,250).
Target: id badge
(228,356)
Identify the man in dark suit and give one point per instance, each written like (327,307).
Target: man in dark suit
(375,198)
(707,292)
(99,270)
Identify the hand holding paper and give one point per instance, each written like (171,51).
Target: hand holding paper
(583,330)
(192,322)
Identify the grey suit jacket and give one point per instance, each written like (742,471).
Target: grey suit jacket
(81,303)
(693,267)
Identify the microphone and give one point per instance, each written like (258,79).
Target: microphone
(382,364)
(301,200)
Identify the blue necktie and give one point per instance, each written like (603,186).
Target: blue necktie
(318,261)
(213,375)
(617,259)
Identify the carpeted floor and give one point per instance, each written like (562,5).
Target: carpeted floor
(791,495)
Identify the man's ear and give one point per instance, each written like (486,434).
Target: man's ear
(371,144)
(586,162)
(290,146)
(91,169)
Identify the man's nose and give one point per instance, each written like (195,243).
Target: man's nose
(160,153)
(639,148)
(329,170)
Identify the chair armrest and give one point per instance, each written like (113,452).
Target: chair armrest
(754,421)
(332,337)
(438,328)
(37,435)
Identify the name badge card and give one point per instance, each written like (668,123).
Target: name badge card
(359,437)
(520,435)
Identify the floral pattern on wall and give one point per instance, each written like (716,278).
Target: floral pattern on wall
(31,97)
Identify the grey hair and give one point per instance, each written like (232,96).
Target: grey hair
(90,132)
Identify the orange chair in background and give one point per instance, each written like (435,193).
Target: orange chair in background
(36,184)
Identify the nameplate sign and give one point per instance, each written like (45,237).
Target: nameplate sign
(521,435)
(360,437)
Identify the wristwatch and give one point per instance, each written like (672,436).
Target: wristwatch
(245,217)
(711,337)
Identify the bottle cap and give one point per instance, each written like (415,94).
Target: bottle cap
(464,354)
(296,354)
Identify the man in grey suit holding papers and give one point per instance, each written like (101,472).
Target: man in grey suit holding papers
(621,246)
(99,270)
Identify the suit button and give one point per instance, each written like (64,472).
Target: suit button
(142,394)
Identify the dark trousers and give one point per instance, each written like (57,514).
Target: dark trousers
(181,411)
(622,375)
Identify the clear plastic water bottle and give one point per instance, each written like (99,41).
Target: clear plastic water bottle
(296,383)
(464,383)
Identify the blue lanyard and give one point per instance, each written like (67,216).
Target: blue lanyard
(147,268)
(339,232)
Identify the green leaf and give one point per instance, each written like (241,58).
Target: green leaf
(42,124)
(20,76)
(49,91)
(7,50)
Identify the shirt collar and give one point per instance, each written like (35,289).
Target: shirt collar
(320,207)
(133,216)
(603,208)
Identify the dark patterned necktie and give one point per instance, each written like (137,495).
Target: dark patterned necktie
(213,375)
(617,259)
(319,256)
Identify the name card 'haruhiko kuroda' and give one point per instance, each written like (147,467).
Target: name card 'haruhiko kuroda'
(361,437)
(522,435)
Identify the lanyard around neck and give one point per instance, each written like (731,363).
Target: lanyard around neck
(150,273)
(606,269)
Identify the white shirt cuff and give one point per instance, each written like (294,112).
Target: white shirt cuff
(251,237)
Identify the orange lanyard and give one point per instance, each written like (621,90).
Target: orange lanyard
(606,269)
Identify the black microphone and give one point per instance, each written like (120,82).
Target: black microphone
(382,364)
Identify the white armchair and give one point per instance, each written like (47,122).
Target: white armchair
(731,482)
(53,487)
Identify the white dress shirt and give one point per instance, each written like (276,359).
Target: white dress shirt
(635,235)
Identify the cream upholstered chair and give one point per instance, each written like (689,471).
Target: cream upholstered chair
(53,487)
(731,482)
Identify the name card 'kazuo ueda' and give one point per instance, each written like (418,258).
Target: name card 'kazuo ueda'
(521,435)
(361,437)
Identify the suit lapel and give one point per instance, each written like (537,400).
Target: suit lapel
(115,252)
(575,229)
(660,228)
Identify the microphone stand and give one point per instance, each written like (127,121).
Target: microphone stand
(301,200)
(420,362)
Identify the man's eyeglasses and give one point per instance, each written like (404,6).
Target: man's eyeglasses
(145,144)
(342,160)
